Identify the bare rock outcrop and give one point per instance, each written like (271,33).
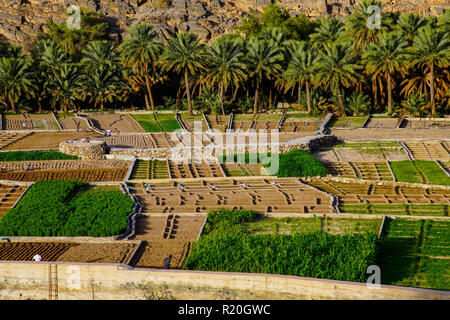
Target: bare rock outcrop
(21,20)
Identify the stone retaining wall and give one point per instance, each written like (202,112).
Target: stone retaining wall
(90,150)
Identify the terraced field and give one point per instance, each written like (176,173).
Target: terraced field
(416,253)
(9,194)
(30,122)
(191,121)
(420,171)
(69,122)
(391,199)
(429,150)
(382,123)
(299,125)
(360,170)
(45,140)
(149,170)
(64,165)
(152,140)
(218,122)
(426,124)
(116,252)
(7,138)
(244,169)
(348,123)
(307,225)
(118,123)
(182,170)
(262,195)
(85,175)
(157,122)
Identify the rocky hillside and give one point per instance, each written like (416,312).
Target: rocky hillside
(20,20)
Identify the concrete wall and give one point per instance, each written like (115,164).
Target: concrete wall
(30,280)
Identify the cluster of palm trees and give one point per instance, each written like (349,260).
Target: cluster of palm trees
(406,59)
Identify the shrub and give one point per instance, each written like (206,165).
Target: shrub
(298,163)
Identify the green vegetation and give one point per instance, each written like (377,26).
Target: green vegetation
(34,155)
(64,208)
(312,65)
(419,171)
(348,122)
(157,122)
(398,209)
(298,163)
(225,246)
(149,169)
(415,253)
(307,225)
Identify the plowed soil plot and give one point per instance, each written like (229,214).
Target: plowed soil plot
(362,193)
(64,165)
(70,123)
(116,122)
(85,175)
(168,227)
(262,195)
(382,123)
(9,194)
(45,140)
(67,251)
(218,122)
(360,170)
(30,122)
(8,138)
(299,125)
(428,150)
(426,124)
(180,170)
(154,253)
(375,134)
(148,141)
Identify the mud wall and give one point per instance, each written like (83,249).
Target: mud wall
(30,280)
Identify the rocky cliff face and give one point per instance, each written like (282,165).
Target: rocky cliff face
(21,20)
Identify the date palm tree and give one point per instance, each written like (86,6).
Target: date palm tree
(362,25)
(329,31)
(67,86)
(100,53)
(16,81)
(185,55)
(385,58)
(141,51)
(335,69)
(300,68)
(103,84)
(431,50)
(408,26)
(225,66)
(265,62)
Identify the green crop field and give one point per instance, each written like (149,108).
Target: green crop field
(157,122)
(419,171)
(225,246)
(348,123)
(34,155)
(65,208)
(398,209)
(306,225)
(297,163)
(416,253)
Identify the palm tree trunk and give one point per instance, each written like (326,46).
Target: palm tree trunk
(255,107)
(375,94)
(65,107)
(341,101)
(270,98)
(149,90)
(299,96)
(102,105)
(389,85)
(433,102)
(235,94)
(308,97)
(13,106)
(186,80)
(221,98)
